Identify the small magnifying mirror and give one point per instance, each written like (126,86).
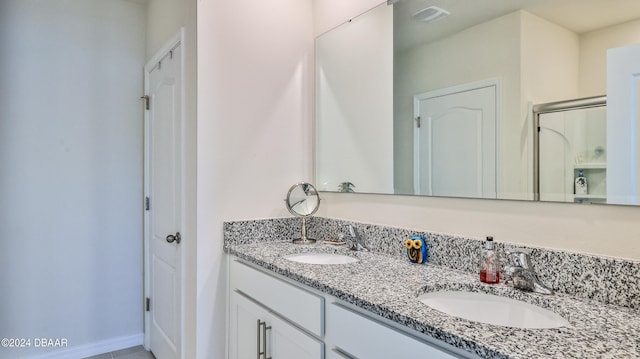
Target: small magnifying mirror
(303,201)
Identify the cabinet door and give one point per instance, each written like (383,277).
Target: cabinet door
(283,341)
(243,327)
(287,342)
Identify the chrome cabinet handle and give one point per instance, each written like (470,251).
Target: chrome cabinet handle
(262,342)
(264,339)
(259,353)
(171,238)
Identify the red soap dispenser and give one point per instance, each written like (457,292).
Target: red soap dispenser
(489,263)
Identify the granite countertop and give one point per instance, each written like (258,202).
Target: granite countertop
(388,286)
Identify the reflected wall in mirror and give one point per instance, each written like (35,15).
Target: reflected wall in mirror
(443,107)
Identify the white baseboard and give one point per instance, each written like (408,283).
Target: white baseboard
(87,350)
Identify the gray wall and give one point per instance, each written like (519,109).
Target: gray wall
(71,171)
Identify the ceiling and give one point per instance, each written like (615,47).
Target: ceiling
(579,16)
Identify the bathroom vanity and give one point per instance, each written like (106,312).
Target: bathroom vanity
(271,316)
(370,308)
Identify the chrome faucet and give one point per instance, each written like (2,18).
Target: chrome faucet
(522,275)
(356,241)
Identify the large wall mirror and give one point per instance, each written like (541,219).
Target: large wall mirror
(437,98)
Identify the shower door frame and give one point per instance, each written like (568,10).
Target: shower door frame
(549,107)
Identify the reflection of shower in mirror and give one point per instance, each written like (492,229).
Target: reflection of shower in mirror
(571,148)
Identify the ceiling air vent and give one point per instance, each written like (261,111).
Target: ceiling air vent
(430,14)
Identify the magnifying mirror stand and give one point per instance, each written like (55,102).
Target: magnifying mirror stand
(303,201)
(303,238)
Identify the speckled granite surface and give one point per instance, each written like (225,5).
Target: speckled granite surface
(607,280)
(384,283)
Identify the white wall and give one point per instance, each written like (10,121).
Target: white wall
(71,172)
(549,72)
(593,54)
(607,230)
(328,14)
(255,79)
(164,19)
(550,54)
(354,120)
(190,180)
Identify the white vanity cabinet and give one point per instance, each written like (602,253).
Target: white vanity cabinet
(257,333)
(288,321)
(269,318)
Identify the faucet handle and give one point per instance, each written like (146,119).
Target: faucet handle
(522,272)
(521,257)
(352,231)
(519,250)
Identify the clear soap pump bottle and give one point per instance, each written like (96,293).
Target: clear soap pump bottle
(489,263)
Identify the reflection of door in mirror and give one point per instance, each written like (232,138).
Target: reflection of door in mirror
(623,91)
(455,141)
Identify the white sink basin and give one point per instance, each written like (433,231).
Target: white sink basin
(321,258)
(492,309)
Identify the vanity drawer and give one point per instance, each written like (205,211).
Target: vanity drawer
(287,300)
(354,335)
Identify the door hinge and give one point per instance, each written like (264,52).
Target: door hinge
(148,304)
(146,102)
(418,121)
(147,204)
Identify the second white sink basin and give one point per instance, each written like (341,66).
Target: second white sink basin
(321,258)
(492,309)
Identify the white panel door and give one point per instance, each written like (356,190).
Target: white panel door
(455,143)
(163,177)
(623,124)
